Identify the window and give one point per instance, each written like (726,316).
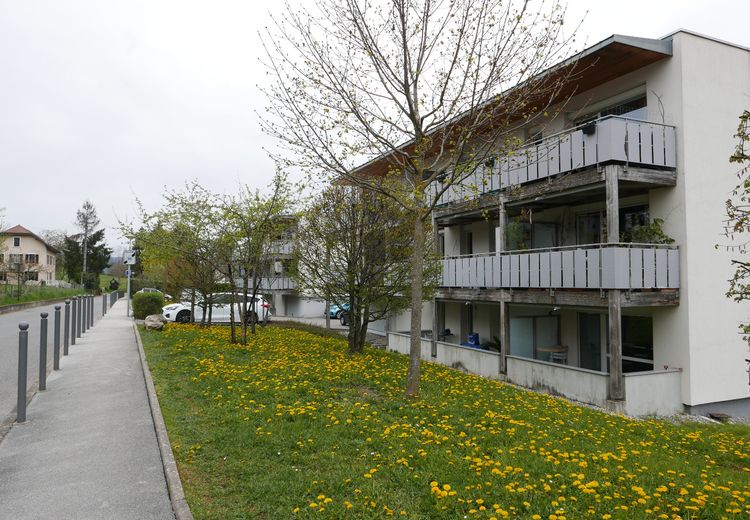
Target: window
(589,228)
(32,259)
(32,275)
(16,241)
(637,343)
(632,107)
(631,218)
(3,276)
(2,258)
(15,258)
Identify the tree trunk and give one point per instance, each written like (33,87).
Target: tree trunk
(253,314)
(245,312)
(231,304)
(415,331)
(192,305)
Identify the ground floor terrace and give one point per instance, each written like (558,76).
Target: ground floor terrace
(561,349)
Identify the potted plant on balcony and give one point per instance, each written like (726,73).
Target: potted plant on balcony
(651,233)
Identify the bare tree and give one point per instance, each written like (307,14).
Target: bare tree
(425,90)
(355,246)
(251,221)
(87,221)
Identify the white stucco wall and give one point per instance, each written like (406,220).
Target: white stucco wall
(29,246)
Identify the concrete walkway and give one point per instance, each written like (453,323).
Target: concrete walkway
(88,449)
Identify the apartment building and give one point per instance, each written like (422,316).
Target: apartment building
(584,265)
(279,284)
(25,255)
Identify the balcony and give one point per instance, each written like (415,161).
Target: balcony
(609,139)
(279,283)
(281,247)
(595,266)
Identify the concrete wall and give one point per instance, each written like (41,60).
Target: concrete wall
(402,321)
(475,361)
(653,393)
(715,89)
(578,384)
(293,305)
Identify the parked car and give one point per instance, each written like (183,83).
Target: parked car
(335,310)
(220,310)
(166,296)
(344,318)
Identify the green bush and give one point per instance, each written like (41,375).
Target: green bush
(147,303)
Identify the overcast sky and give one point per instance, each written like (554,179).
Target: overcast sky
(108,100)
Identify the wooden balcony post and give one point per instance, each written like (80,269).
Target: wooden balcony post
(611,177)
(502,222)
(504,335)
(616,382)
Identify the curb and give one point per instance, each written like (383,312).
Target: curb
(13,307)
(180,507)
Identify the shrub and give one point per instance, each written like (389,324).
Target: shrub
(147,303)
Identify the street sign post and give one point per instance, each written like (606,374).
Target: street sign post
(128,258)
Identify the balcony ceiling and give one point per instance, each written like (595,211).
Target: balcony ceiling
(609,59)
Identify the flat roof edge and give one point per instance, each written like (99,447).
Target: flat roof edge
(705,37)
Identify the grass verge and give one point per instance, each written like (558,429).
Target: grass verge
(292,426)
(34,294)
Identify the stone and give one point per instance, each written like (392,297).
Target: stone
(154,322)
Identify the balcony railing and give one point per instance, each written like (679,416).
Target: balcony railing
(595,266)
(279,283)
(611,138)
(281,247)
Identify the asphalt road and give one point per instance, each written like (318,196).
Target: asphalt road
(9,352)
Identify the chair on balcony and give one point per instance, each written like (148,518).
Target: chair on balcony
(559,357)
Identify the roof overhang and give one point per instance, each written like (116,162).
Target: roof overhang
(605,61)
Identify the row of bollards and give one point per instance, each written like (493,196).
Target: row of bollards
(78,318)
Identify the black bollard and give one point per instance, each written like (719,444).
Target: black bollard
(23,359)
(43,352)
(66,335)
(56,340)
(74,307)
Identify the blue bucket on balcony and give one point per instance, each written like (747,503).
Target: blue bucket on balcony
(473,339)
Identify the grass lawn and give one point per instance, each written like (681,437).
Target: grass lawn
(33,294)
(291,426)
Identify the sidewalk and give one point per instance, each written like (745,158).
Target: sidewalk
(88,448)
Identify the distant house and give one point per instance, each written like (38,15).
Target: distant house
(26,255)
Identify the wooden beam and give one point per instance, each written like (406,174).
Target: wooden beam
(553,186)
(649,176)
(504,336)
(611,174)
(574,298)
(616,380)
(502,222)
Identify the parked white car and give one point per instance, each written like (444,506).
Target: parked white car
(220,310)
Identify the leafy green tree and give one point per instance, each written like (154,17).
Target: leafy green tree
(97,254)
(182,238)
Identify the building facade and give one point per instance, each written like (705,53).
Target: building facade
(585,264)
(25,258)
